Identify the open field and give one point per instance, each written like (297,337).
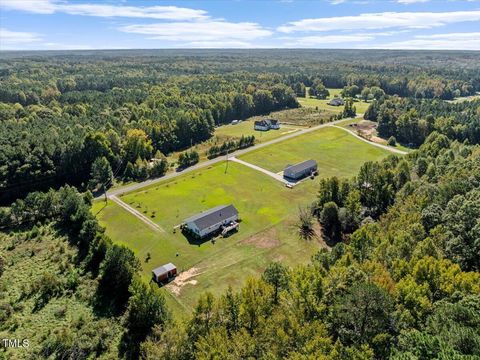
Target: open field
(266,232)
(361,106)
(268,212)
(337,153)
(245,128)
(303,116)
(465,98)
(234,132)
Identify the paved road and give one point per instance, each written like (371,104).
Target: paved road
(389,148)
(258,168)
(207,163)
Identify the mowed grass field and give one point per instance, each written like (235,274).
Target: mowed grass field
(337,152)
(267,210)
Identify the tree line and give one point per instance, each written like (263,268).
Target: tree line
(411,121)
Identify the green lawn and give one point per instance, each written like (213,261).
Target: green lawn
(266,231)
(268,211)
(246,128)
(337,152)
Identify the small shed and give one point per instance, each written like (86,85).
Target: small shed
(164,273)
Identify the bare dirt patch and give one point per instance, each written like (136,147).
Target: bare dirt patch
(368,130)
(318,235)
(182,279)
(264,240)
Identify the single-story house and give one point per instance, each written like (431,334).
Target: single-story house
(210,221)
(262,125)
(300,170)
(336,101)
(164,273)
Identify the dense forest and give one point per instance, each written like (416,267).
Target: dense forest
(410,120)
(61,111)
(402,278)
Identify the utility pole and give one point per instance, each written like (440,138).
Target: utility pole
(105,193)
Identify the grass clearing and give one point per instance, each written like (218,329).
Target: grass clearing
(245,128)
(309,102)
(265,208)
(268,211)
(337,153)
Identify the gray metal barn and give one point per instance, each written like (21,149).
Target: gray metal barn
(300,170)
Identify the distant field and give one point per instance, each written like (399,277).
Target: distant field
(232,132)
(361,106)
(266,207)
(337,152)
(245,128)
(465,98)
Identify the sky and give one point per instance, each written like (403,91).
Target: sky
(157,24)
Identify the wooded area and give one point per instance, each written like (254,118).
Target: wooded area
(59,112)
(402,278)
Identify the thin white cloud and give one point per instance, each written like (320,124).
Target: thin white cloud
(8,37)
(105,10)
(408,2)
(449,41)
(204,31)
(60,46)
(319,41)
(217,45)
(370,21)
(33,6)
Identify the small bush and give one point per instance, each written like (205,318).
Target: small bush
(392,141)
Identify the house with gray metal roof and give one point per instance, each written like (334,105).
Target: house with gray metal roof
(208,222)
(300,170)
